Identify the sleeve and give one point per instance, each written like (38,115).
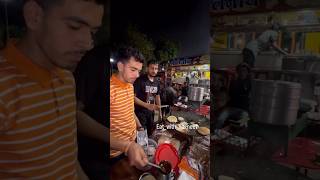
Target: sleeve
(136,86)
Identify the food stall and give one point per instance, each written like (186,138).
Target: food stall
(278,81)
(299,36)
(195,68)
(195,72)
(180,141)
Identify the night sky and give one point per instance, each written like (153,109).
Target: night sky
(13,7)
(186,22)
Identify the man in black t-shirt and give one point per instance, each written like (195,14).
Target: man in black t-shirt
(240,88)
(147,96)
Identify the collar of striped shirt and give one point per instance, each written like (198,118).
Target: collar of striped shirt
(26,66)
(120,83)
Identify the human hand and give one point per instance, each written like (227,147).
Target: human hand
(151,107)
(137,156)
(140,128)
(158,107)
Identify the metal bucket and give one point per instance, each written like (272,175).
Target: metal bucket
(196,93)
(275,102)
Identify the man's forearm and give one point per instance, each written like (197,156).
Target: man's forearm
(140,103)
(137,121)
(91,128)
(119,145)
(276,47)
(158,100)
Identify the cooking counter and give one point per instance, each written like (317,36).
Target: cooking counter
(122,169)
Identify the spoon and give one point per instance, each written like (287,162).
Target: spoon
(154,165)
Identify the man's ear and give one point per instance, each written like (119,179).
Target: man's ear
(33,15)
(120,66)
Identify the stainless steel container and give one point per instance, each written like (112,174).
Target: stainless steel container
(204,82)
(146,176)
(275,102)
(196,93)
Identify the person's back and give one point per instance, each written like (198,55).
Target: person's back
(263,42)
(266,39)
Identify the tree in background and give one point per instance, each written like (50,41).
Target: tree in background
(102,37)
(141,41)
(132,36)
(161,50)
(166,50)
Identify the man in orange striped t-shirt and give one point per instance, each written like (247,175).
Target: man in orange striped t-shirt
(123,121)
(38,132)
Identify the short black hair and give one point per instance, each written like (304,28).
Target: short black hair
(46,4)
(125,53)
(152,61)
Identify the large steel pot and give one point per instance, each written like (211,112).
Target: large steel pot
(275,102)
(196,93)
